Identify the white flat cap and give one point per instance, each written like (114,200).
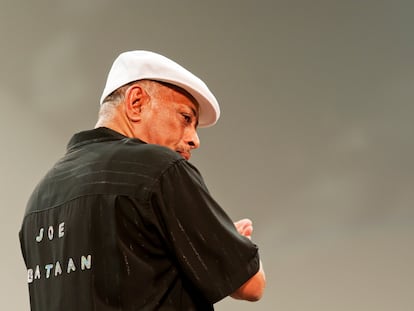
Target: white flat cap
(138,65)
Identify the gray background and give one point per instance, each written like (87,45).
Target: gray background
(314,144)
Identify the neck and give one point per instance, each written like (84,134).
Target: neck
(114,117)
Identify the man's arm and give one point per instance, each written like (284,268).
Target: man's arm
(253,289)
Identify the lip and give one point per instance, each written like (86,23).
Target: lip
(185,154)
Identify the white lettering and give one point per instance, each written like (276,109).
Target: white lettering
(55,269)
(58,268)
(86,262)
(50,233)
(37,273)
(61,230)
(29,275)
(71,266)
(48,268)
(39,238)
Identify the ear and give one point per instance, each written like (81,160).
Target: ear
(135,100)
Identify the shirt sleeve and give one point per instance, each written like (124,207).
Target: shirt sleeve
(209,251)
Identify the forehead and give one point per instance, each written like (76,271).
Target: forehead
(182,92)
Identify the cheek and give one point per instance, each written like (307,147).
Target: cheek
(169,133)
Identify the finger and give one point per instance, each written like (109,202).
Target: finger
(244,227)
(247,231)
(243,222)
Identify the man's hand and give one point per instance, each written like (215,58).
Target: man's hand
(244,227)
(253,289)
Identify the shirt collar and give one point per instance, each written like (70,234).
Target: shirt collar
(96,135)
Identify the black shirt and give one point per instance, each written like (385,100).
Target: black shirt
(118,224)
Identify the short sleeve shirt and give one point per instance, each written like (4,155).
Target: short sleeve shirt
(118,224)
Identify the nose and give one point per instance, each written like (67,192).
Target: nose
(193,140)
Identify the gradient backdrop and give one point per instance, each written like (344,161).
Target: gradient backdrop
(315,143)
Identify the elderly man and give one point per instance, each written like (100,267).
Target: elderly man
(123,221)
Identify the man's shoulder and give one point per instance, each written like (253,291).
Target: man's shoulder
(106,144)
(138,152)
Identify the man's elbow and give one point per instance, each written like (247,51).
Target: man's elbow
(253,289)
(256,296)
(256,293)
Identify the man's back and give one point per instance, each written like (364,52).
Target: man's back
(75,229)
(97,236)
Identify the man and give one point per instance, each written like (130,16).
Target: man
(123,221)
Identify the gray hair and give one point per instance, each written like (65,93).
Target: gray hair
(153,88)
(113,100)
